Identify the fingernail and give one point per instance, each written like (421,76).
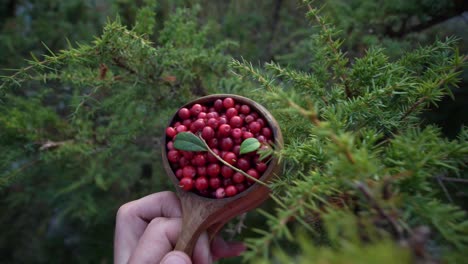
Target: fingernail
(175,258)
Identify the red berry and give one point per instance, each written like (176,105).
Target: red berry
(231,190)
(218,105)
(179,174)
(184,162)
(224,130)
(198,125)
(186,184)
(213,143)
(222,120)
(238,177)
(170,145)
(226,172)
(237,107)
(187,122)
(236,121)
(255,127)
(181,128)
(208,133)
(196,109)
(247,135)
(215,183)
(176,124)
(199,160)
(236,133)
(231,112)
(171,132)
(220,193)
(227,181)
(253,173)
(237,141)
(261,122)
(261,167)
(266,132)
(243,164)
(236,148)
(184,113)
(202,115)
(211,158)
(262,139)
(249,119)
(226,144)
(187,154)
(173,156)
(240,187)
(255,115)
(228,102)
(230,157)
(201,171)
(213,170)
(245,109)
(189,171)
(201,183)
(212,122)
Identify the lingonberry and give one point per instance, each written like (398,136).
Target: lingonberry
(261,122)
(199,160)
(201,183)
(255,127)
(187,122)
(247,135)
(243,164)
(187,154)
(237,141)
(213,143)
(231,112)
(202,115)
(196,109)
(245,109)
(218,105)
(212,122)
(173,156)
(215,183)
(224,130)
(226,172)
(230,191)
(249,118)
(198,125)
(227,181)
(230,157)
(240,187)
(222,120)
(238,177)
(189,171)
(170,145)
(179,173)
(261,139)
(220,193)
(236,148)
(261,166)
(208,133)
(181,128)
(253,173)
(186,184)
(236,121)
(171,132)
(228,102)
(226,144)
(184,162)
(213,170)
(236,133)
(184,113)
(266,132)
(201,171)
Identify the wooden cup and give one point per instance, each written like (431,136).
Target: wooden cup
(208,214)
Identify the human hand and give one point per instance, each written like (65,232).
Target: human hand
(147,229)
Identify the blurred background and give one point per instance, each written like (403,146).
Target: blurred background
(59,206)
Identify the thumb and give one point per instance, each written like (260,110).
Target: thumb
(176,257)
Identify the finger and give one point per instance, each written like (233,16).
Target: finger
(158,239)
(201,252)
(133,217)
(222,249)
(176,257)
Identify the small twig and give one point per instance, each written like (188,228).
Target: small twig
(395,226)
(411,109)
(451,179)
(444,189)
(49,144)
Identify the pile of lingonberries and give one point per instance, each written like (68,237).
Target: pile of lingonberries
(224,124)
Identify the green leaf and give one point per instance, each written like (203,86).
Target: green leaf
(249,145)
(189,142)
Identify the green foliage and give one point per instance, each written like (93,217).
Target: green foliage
(365,178)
